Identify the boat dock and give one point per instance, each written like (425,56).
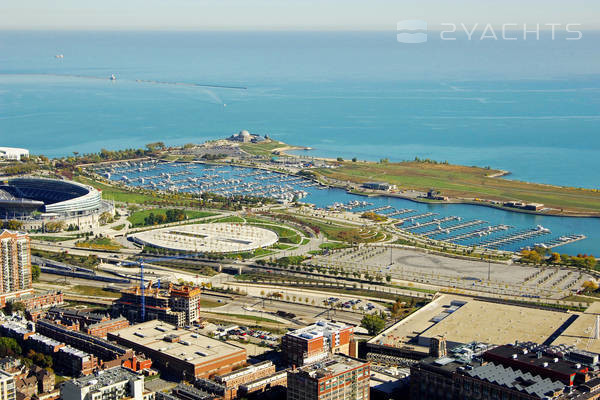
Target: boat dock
(434,221)
(516,237)
(478,233)
(400,212)
(455,227)
(413,218)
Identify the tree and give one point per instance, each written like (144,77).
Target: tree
(372,323)
(35,272)
(340,159)
(354,159)
(590,286)
(105,218)
(14,306)
(9,347)
(555,258)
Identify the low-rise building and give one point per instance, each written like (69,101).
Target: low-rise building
(522,371)
(379,186)
(97,346)
(73,362)
(276,379)
(112,384)
(102,328)
(315,342)
(232,380)
(181,351)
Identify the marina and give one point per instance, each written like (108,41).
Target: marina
(461,224)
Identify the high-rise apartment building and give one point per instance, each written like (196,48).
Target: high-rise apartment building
(15,263)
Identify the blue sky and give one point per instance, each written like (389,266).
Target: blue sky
(287,14)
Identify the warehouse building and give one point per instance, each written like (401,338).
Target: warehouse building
(338,377)
(181,351)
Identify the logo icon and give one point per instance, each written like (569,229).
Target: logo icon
(412,31)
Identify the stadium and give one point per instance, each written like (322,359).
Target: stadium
(37,200)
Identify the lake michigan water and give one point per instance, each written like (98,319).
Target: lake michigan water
(529,107)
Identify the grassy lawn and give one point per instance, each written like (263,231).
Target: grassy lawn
(93,291)
(137,218)
(281,246)
(54,238)
(103,243)
(116,194)
(205,303)
(580,299)
(119,227)
(231,218)
(286,235)
(461,181)
(262,149)
(333,245)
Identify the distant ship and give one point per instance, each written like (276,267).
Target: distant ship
(59,56)
(113,77)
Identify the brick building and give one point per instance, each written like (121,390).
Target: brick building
(232,380)
(260,385)
(315,342)
(175,304)
(102,328)
(338,377)
(180,351)
(516,372)
(101,348)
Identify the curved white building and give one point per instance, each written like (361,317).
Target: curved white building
(208,238)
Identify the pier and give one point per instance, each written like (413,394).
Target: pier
(478,233)
(434,221)
(516,237)
(415,217)
(456,227)
(400,212)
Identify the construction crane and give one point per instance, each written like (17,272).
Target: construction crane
(141,262)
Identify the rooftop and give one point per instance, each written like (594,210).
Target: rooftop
(529,356)
(517,380)
(335,365)
(107,377)
(180,343)
(463,319)
(318,329)
(581,332)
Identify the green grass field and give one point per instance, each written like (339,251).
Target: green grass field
(137,218)
(116,194)
(53,238)
(471,182)
(93,291)
(261,149)
(205,303)
(103,243)
(230,218)
(333,245)
(286,235)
